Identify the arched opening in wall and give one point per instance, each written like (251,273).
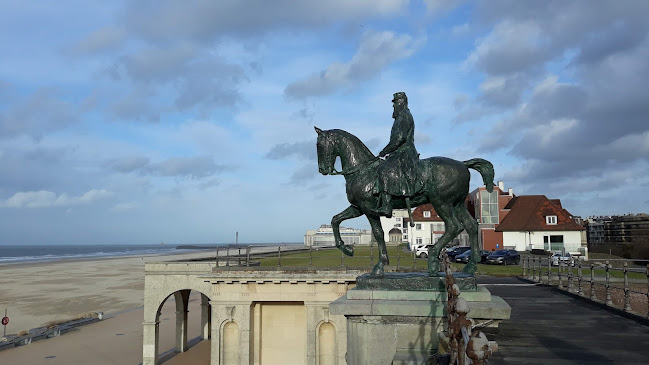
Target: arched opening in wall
(230,344)
(184,328)
(327,345)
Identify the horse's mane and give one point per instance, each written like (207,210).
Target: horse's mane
(356,141)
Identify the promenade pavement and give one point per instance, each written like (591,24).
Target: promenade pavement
(548,327)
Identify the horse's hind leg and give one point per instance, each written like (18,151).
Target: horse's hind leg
(471,227)
(377,232)
(453,228)
(349,213)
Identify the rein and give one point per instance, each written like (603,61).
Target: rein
(357,168)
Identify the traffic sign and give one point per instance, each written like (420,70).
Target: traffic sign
(5,321)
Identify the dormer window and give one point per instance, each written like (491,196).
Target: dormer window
(426,214)
(551,219)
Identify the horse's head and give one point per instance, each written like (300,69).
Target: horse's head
(326,154)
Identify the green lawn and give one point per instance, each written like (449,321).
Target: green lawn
(366,257)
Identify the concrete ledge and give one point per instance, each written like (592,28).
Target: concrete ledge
(482,294)
(495,309)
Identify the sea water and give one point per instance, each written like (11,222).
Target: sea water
(42,253)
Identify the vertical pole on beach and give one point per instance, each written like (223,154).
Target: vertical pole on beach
(5,326)
(239,255)
(217,256)
(279,256)
(227,256)
(248,255)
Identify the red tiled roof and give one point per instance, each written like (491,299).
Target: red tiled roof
(418,214)
(528,213)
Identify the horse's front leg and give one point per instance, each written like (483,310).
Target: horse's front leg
(349,213)
(377,232)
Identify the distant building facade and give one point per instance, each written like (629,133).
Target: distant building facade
(627,229)
(399,220)
(324,236)
(429,228)
(489,209)
(595,229)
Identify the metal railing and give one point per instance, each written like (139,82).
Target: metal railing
(618,283)
(295,256)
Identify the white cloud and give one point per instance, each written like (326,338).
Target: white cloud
(376,51)
(44,198)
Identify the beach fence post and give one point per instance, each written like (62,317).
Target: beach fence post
(609,300)
(248,255)
(5,325)
(398,257)
(310,255)
(217,256)
(279,256)
(227,255)
(239,256)
(627,294)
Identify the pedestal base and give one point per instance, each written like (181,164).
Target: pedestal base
(387,325)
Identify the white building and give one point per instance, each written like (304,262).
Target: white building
(324,236)
(536,222)
(399,220)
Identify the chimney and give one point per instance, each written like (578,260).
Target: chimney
(501,185)
(511,192)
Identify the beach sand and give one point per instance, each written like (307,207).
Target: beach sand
(114,341)
(36,293)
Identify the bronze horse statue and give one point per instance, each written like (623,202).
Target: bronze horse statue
(444,181)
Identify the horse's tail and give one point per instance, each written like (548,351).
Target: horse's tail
(485,168)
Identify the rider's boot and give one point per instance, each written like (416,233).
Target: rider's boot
(386,208)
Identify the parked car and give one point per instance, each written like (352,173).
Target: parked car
(457,251)
(504,257)
(566,259)
(464,257)
(422,251)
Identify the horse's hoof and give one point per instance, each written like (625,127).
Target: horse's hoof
(347,250)
(377,270)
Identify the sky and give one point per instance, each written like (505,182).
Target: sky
(188,121)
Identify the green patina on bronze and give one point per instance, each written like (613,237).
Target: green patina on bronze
(375,187)
(414,282)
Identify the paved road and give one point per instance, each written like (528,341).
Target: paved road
(547,327)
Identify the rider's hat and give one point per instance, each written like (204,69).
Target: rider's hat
(400,96)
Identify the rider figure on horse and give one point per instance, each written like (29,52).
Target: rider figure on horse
(397,175)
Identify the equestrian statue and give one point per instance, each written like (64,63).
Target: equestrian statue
(401,181)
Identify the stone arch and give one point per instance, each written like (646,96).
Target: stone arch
(230,343)
(326,344)
(181,298)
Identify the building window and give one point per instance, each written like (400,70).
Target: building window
(551,219)
(418,226)
(553,243)
(426,214)
(419,241)
(398,219)
(398,225)
(489,207)
(405,236)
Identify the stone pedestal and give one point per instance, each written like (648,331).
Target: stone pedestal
(400,324)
